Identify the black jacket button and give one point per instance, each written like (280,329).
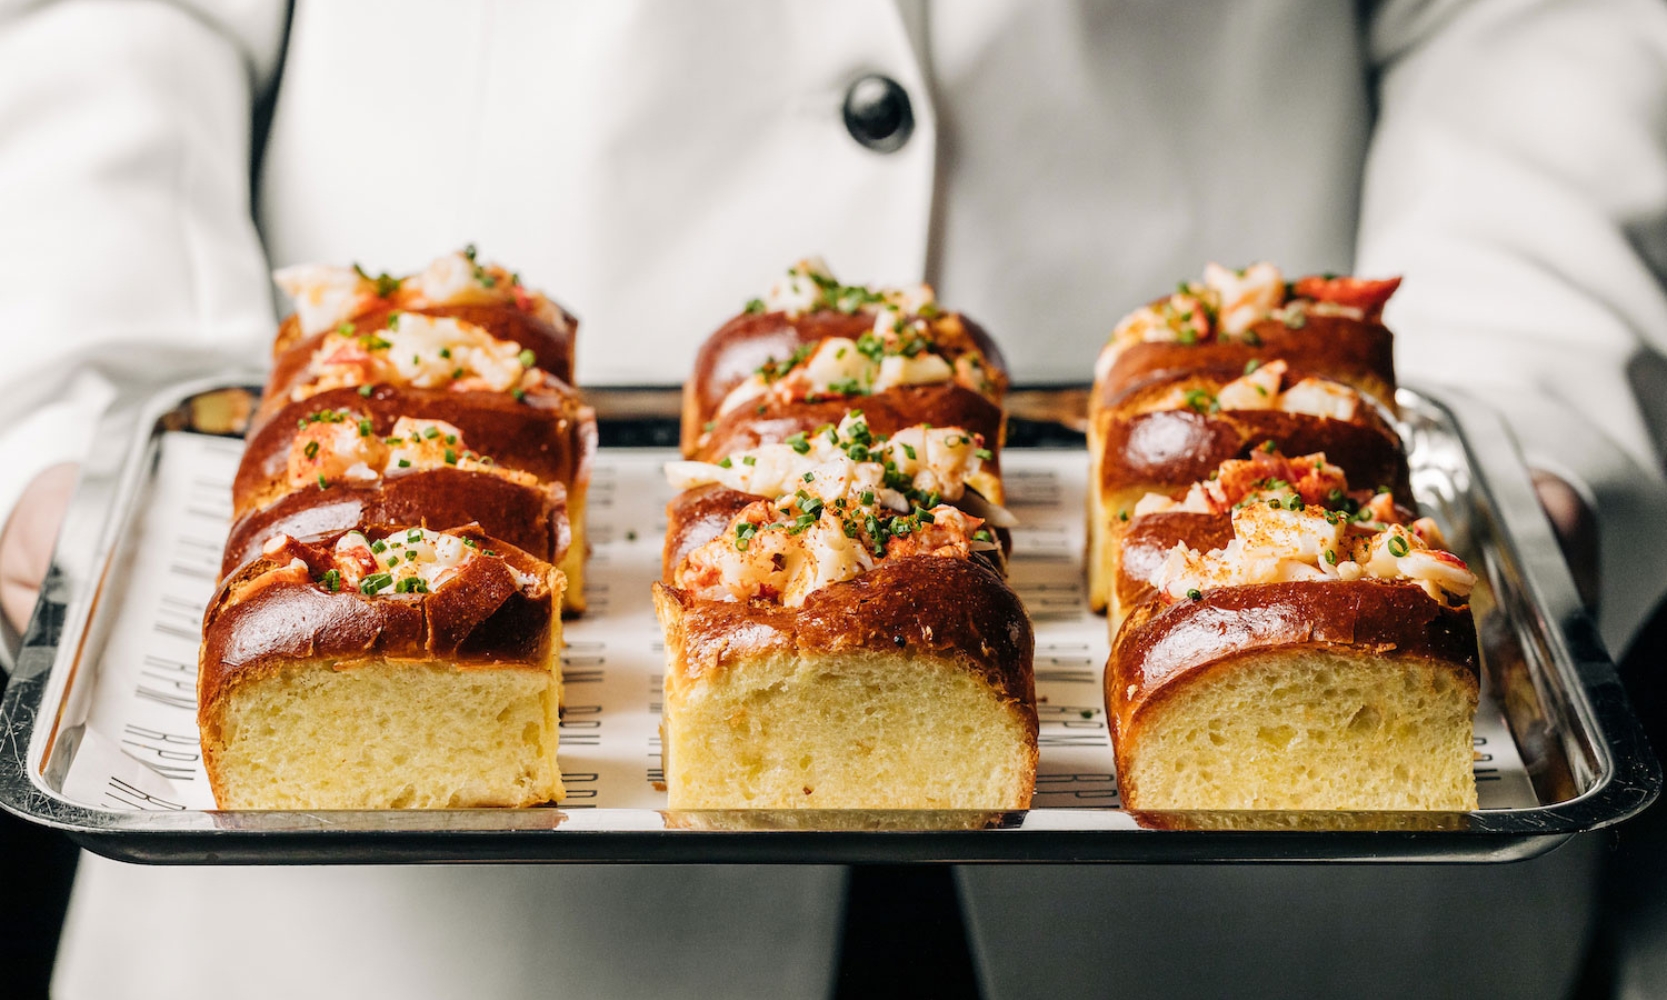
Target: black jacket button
(878,114)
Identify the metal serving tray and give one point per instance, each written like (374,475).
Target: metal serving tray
(1583,757)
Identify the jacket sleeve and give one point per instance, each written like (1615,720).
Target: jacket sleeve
(128,247)
(1518,176)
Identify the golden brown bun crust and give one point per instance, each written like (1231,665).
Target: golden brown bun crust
(532,518)
(481,616)
(749,340)
(1148,539)
(695,517)
(951,608)
(1176,448)
(551,345)
(1354,352)
(549,433)
(1158,648)
(943,404)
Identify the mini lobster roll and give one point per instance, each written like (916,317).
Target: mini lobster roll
(859,497)
(340,473)
(1200,516)
(457,286)
(1330,326)
(1315,660)
(461,348)
(383,667)
(1165,433)
(838,631)
(812,340)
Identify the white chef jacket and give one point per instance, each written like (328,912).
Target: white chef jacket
(655,164)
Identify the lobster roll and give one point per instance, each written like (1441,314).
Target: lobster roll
(383,667)
(353,438)
(483,297)
(838,630)
(1165,434)
(1311,662)
(1330,326)
(814,340)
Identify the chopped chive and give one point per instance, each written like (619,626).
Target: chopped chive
(366,390)
(311,450)
(1195,594)
(527,358)
(364,427)
(749,460)
(726,463)
(431,432)
(985,454)
(518,394)
(451,457)
(323,483)
(332,580)
(1398,546)
(405,463)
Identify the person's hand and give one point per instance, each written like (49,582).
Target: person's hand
(27,539)
(1577,531)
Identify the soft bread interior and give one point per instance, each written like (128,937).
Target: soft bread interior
(572,562)
(1101,561)
(385,734)
(856,730)
(1307,729)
